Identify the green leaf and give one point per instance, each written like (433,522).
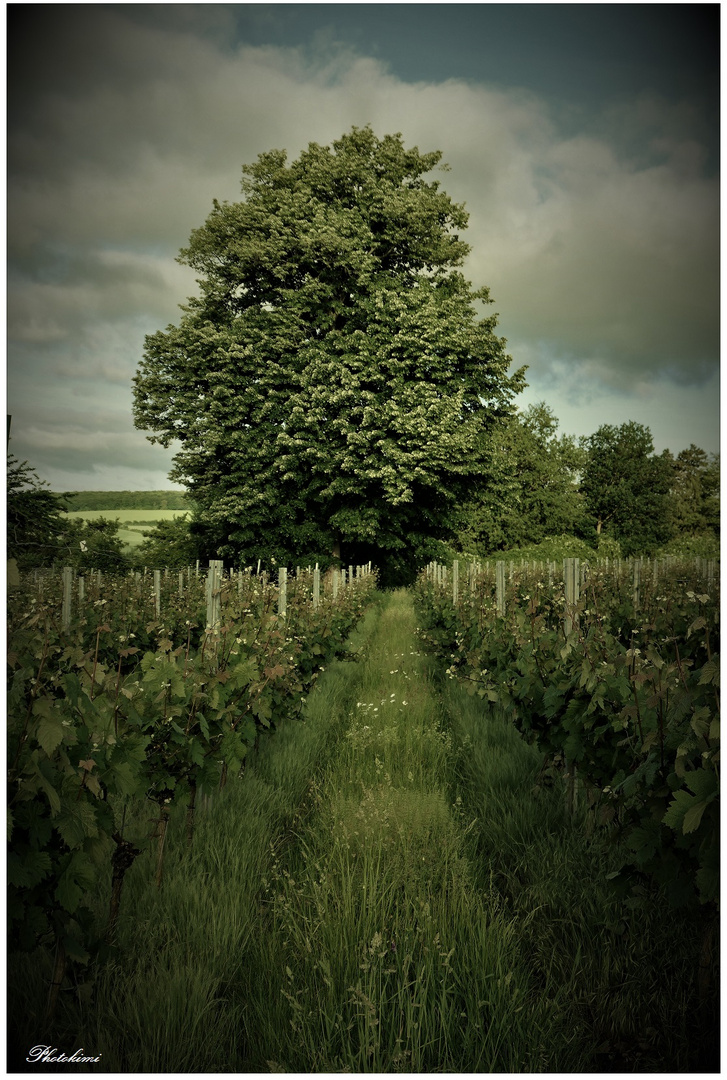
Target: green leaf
(573,747)
(49,732)
(710,672)
(232,749)
(708,882)
(703,782)
(75,950)
(644,841)
(76,821)
(680,804)
(122,777)
(693,817)
(72,689)
(28,869)
(77,879)
(196,752)
(52,795)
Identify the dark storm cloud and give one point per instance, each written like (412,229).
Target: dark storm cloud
(594,218)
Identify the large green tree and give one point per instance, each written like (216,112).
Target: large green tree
(626,487)
(330,384)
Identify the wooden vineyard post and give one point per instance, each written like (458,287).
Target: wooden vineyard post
(636,594)
(571,579)
(214,594)
(81,589)
(181,582)
(316,586)
(335,583)
(66,613)
(572,583)
(283,591)
(162,835)
(158,593)
(500,586)
(455,581)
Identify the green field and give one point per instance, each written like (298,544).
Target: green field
(132,523)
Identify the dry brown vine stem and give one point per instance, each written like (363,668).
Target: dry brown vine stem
(59,973)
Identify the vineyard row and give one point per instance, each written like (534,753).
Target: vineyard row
(140,696)
(612,670)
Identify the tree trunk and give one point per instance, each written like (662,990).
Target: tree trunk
(122,859)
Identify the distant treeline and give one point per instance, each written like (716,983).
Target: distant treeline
(124,500)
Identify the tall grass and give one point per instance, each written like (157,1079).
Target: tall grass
(381,953)
(623,980)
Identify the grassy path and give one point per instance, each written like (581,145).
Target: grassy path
(380,951)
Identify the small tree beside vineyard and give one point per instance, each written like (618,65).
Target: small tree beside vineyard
(626,487)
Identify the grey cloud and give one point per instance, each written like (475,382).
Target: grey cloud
(100,286)
(95,451)
(601,249)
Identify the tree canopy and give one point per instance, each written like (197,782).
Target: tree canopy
(626,487)
(694,494)
(528,489)
(330,385)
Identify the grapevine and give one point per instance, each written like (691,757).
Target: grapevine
(629,699)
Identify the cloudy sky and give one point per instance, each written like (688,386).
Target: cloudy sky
(584,140)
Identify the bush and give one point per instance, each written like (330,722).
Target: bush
(698,545)
(168,544)
(609,548)
(552,549)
